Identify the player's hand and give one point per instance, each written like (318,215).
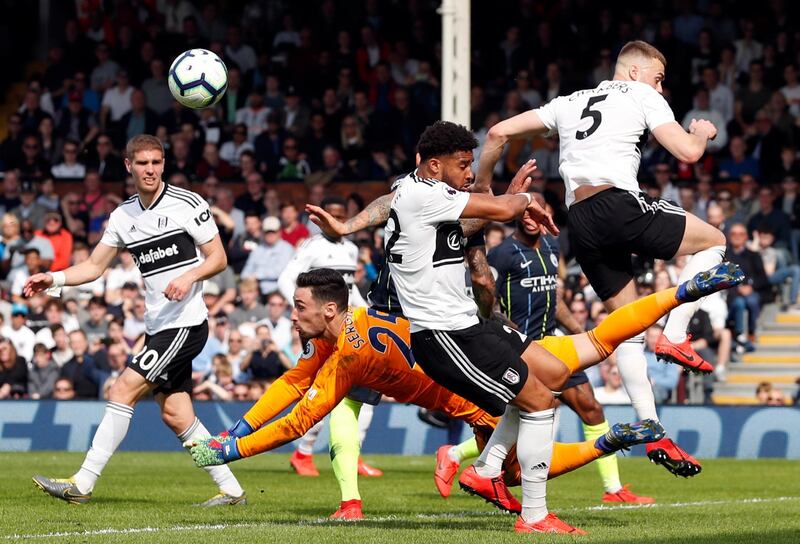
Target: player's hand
(217,450)
(36,284)
(536,212)
(329,224)
(703,128)
(522,179)
(177,288)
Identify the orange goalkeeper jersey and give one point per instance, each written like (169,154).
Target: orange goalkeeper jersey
(373,351)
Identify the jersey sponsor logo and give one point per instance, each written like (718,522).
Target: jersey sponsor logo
(203,217)
(538,284)
(525,264)
(511,376)
(164,252)
(449,244)
(454,241)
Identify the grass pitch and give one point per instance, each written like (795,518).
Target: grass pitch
(148,497)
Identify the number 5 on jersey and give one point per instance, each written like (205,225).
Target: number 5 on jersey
(596,116)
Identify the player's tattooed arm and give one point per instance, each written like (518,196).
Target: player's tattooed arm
(483,283)
(375,214)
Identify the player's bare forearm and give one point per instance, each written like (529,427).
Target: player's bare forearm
(376,213)
(519,184)
(215,261)
(564,317)
(84,272)
(524,125)
(483,284)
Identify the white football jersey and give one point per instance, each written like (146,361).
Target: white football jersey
(425,252)
(319,251)
(164,240)
(602,132)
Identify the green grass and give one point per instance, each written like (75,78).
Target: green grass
(156,490)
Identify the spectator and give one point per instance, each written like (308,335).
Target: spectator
(250,310)
(13,372)
(240,53)
(135,325)
(267,362)
(702,110)
(720,96)
(254,116)
(292,166)
(269,258)
(292,230)
(778,265)
(279,325)
(767,214)
(18,333)
(33,165)
(243,244)
(746,297)
(296,116)
(43,373)
(138,120)
(233,149)
(70,167)
(739,162)
(220,386)
(18,276)
(762,392)
(612,391)
(28,208)
(60,240)
(96,326)
(105,71)
(212,165)
(294,349)
(63,389)
(236,353)
(155,88)
(116,101)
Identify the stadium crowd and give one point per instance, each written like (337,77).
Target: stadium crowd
(344,97)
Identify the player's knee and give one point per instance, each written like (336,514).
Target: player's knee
(534,396)
(122,392)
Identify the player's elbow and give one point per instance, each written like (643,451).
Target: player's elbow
(498,134)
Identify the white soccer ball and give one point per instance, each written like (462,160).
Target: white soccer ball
(198,78)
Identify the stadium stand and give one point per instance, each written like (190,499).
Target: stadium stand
(334,106)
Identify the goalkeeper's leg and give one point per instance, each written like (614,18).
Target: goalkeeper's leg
(344,449)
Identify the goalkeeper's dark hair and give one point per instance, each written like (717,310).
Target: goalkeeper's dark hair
(445,138)
(327,285)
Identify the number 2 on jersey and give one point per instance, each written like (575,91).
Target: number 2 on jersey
(596,116)
(379,346)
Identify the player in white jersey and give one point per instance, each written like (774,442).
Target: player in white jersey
(175,244)
(601,133)
(351,419)
(491,365)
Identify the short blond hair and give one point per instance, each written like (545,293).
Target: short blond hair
(248,284)
(142,142)
(641,48)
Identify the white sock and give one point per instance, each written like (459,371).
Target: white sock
(632,366)
(221,474)
(107,438)
(679,318)
(490,461)
(364,421)
(535,452)
(306,443)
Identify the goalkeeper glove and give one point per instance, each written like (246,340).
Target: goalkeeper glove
(241,428)
(216,450)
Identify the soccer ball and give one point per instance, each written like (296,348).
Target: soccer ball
(198,78)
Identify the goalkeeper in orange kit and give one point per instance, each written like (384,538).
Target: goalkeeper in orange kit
(364,347)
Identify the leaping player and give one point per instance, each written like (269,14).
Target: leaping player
(602,132)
